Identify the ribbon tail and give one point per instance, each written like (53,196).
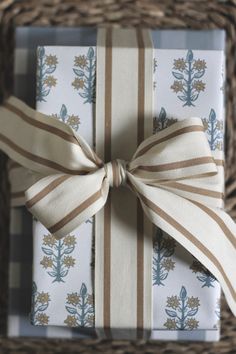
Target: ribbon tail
(208,233)
(63,202)
(21,179)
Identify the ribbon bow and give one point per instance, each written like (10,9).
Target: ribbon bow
(173,173)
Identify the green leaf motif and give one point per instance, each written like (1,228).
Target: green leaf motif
(189,56)
(177,75)
(63,112)
(47,251)
(183,293)
(79,73)
(171,313)
(71,310)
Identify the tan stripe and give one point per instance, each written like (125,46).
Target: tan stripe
(16,195)
(178,164)
(75,212)
(107,267)
(107,209)
(38,159)
(195,190)
(218,220)
(115,174)
(191,238)
(194,128)
(41,125)
(140,225)
(219,162)
(45,191)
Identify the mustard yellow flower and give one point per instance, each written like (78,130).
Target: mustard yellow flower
(168,264)
(42,319)
(49,240)
(73,299)
(81,61)
(219,145)
(50,81)
(70,240)
(220,125)
(71,321)
(73,120)
(192,323)
(90,299)
(193,302)
(173,302)
(199,65)
(43,298)
(199,86)
(170,324)
(179,64)
(51,60)
(78,83)
(46,262)
(177,86)
(90,321)
(68,261)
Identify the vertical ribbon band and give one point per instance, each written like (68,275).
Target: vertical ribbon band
(124,100)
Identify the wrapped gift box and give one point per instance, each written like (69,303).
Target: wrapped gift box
(63,270)
(24,69)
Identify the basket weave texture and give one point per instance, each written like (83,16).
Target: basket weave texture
(192,14)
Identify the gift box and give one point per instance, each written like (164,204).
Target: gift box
(188,76)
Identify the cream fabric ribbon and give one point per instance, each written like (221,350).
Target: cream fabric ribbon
(173,173)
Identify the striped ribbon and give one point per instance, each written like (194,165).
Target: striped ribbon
(173,173)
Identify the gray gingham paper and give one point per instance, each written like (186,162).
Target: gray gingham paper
(176,259)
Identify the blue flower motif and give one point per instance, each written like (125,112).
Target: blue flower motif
(80,308)
(163,249)
(187,72)
(85,72)
(181,310)
(46,66)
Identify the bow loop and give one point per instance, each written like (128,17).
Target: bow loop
(178,152)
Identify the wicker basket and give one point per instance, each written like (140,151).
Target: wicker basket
(195,14)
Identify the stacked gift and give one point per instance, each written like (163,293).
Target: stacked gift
(185,82)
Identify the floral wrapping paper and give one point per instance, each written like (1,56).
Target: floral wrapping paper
(185,295)
(179,281)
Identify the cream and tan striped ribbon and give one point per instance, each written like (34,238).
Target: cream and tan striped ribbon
(174,174)
(123,268)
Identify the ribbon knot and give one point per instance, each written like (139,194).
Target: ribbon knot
(116,172)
